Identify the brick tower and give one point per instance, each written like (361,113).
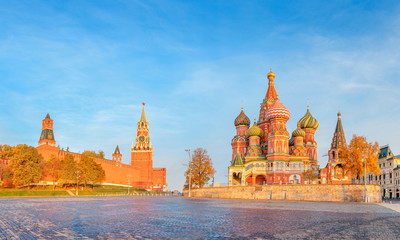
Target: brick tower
(47,136)
(47,142)
(117,157)
(142,152)
(268,101)
(338,140)
(278,136)
(334,168)
(309,125)
(239,142)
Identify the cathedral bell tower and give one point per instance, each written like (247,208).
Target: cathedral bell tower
(142,151)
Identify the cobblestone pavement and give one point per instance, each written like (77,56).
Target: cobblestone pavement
(141,217)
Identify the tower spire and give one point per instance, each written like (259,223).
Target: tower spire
(338,139)
(143,117)
(271,93)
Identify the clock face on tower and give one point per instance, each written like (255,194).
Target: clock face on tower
(141,139)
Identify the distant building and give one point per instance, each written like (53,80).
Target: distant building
(140,173)
(389,179)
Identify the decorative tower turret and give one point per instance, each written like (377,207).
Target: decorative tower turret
(267,102)
(117,157)
(47,136)
(239,142)
(309,124)
(298,151)
(270,97)
(278,136)
(338,140)
(335,173)
(142,152)
(254,149)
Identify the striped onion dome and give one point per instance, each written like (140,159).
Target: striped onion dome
(298,133)
(242,119)
(308,121)
(254,131)
(278,110)
(291,141)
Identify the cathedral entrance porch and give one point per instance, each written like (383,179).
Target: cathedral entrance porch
(237,178)
(261,180)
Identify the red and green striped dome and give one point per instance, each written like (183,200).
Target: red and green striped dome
(308,121)
(242,119)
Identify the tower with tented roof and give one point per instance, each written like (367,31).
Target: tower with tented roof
(117,157)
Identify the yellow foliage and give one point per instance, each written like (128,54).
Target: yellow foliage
(358,151)
(200,168)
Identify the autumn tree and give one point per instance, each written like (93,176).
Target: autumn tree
(68,169)
(26,165)
(98,175)
(200,168)
(309,175)
(90,171)
(100,154)
(52,169)
(6,151)
(353,156)
(6,175)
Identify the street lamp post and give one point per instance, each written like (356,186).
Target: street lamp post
(77,181)
(365,180)
(190,170)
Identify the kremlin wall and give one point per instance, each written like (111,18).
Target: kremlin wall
(139,174)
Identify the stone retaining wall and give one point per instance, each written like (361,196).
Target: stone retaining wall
(321,192)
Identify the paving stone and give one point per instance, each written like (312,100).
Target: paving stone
(146,217)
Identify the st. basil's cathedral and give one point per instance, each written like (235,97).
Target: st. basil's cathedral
(266,154)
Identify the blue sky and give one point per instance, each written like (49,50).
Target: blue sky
(91,64)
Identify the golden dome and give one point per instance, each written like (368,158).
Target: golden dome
(254,131)
(298,133)
(271,74)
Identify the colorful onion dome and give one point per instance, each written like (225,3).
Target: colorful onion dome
(308,121)
(242,119)
(278,110)
(291,141)
(298,133)
(254,131)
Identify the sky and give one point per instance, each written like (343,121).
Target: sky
(91,64)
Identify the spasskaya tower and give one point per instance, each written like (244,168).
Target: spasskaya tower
(142,151)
